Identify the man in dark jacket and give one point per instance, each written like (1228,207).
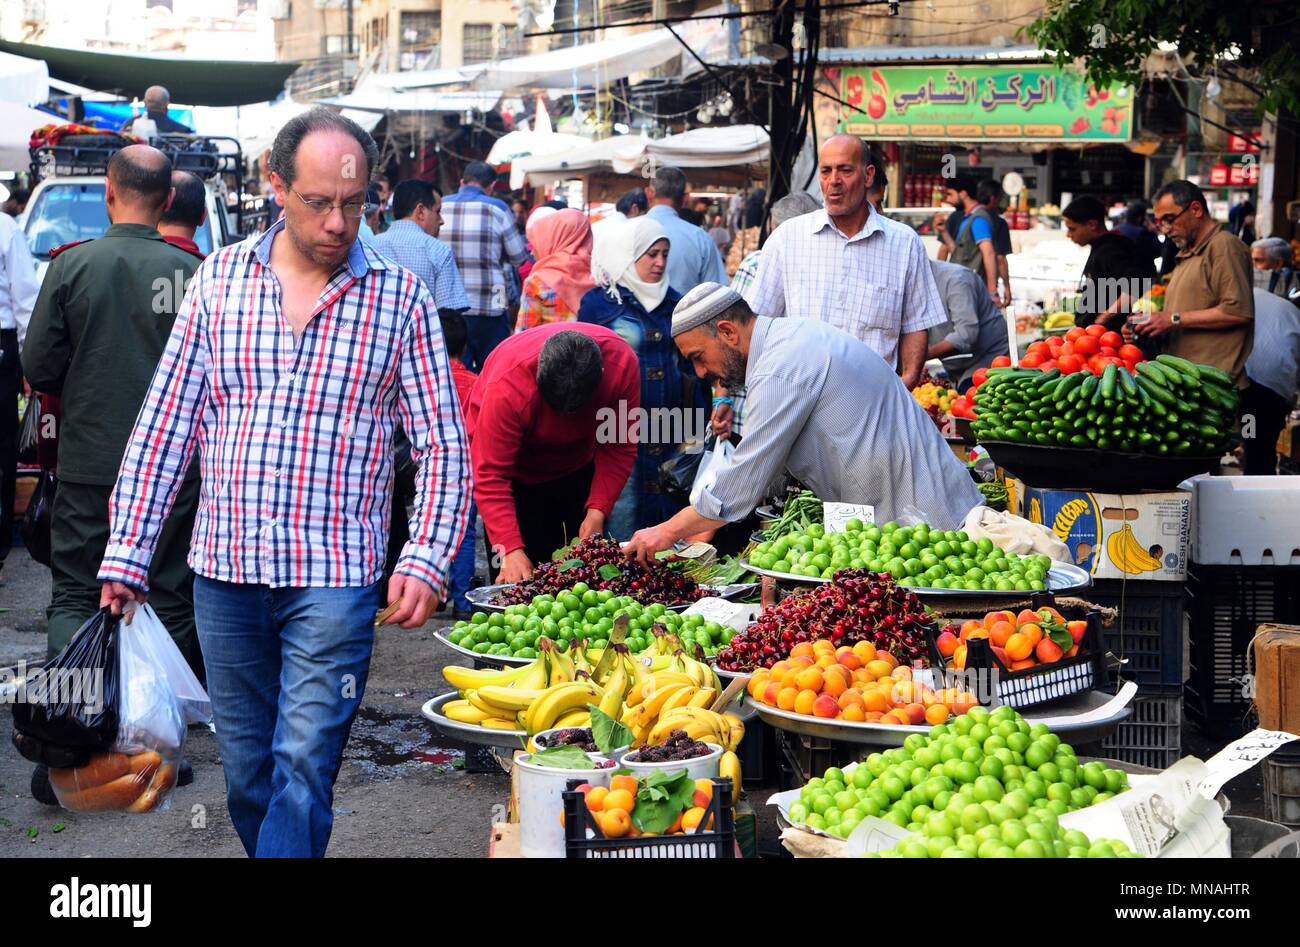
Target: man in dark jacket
(101,321)
(1117,273)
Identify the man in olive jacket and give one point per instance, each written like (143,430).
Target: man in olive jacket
(101,321)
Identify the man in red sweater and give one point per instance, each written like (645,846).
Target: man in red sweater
(541,477)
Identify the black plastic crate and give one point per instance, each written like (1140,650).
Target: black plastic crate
(1046,682)
(1148,634)
(1227,606)
(1282,786)
(1153,735)
(718,843)
(802,757)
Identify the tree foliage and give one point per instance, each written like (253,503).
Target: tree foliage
(1252,41)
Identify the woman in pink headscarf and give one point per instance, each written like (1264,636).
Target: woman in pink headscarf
(561,276)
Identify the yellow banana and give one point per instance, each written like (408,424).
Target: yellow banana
(737,730)
(679,698)
(481,704)
(463,678)
(662,678)
(557,701)
(574,718)
(703,697)
(615,688)
(729,767)
(535,676)
(500,723)
(653,705)
(463,711)
(510,699)
(639,676)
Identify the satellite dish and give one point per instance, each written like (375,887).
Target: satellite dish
(771,51)
(1012,183)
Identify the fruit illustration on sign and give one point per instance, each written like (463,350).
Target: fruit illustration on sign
(876,105)
(855,89)
(1129,555)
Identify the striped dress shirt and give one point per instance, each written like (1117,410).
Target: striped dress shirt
(294,434)
(824,407)
(875,285)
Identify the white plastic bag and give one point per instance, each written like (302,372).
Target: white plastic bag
(158,697)
(707,473)
(1015,534)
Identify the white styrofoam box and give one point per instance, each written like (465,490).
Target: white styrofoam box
(1247,521)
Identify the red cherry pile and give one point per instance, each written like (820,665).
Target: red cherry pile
(857,606)
(600,563)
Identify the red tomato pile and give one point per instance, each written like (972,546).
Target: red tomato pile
(1082,349)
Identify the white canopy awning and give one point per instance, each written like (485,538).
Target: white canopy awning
(17,122)
(730,146)
(516,145)
(372,96)
(23,81)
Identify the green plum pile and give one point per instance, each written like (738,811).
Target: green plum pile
(915,556)
(582,613)
(982,785)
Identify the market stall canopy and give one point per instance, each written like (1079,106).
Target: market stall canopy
(730,146)
(192,81)
(372,96)
(22,80)
(582,65)
(515,145)
(17,122)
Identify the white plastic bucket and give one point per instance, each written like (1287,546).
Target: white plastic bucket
(701,767)
(541,834)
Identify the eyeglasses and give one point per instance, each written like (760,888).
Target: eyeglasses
(1167,221)
(350,209)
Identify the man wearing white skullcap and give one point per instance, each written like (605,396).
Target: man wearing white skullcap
(820,405)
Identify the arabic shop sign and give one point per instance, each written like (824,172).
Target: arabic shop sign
(964,103)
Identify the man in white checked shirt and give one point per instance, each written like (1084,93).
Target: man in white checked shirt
(851,267)
(293,357)
(822,407)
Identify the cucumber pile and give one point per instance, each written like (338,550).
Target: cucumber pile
(1169,406)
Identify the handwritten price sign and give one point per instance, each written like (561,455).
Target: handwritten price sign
(835,516)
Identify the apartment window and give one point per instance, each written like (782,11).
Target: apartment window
(334,45)
(421,33)
(476,42)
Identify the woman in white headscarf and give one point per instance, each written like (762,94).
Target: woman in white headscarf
(632,297)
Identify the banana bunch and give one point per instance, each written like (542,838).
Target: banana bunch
(549,692)
(656,697)
(1128,554)
(699,723)
(1058,320)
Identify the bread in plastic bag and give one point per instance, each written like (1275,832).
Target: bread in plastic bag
(158,697)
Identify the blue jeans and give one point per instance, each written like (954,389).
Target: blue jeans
(462,566)
(286,672)
(482,335)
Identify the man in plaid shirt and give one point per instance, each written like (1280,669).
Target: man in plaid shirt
(483,237)
(294,355)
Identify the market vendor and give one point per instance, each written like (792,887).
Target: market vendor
(1209,311)
(822,406)
(541,475)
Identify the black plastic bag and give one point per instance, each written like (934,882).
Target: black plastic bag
(677,475)
(69,707)
(36,521)
(29,431)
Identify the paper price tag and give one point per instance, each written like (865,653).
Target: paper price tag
(1241,755)
(836,515)
(734,614)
